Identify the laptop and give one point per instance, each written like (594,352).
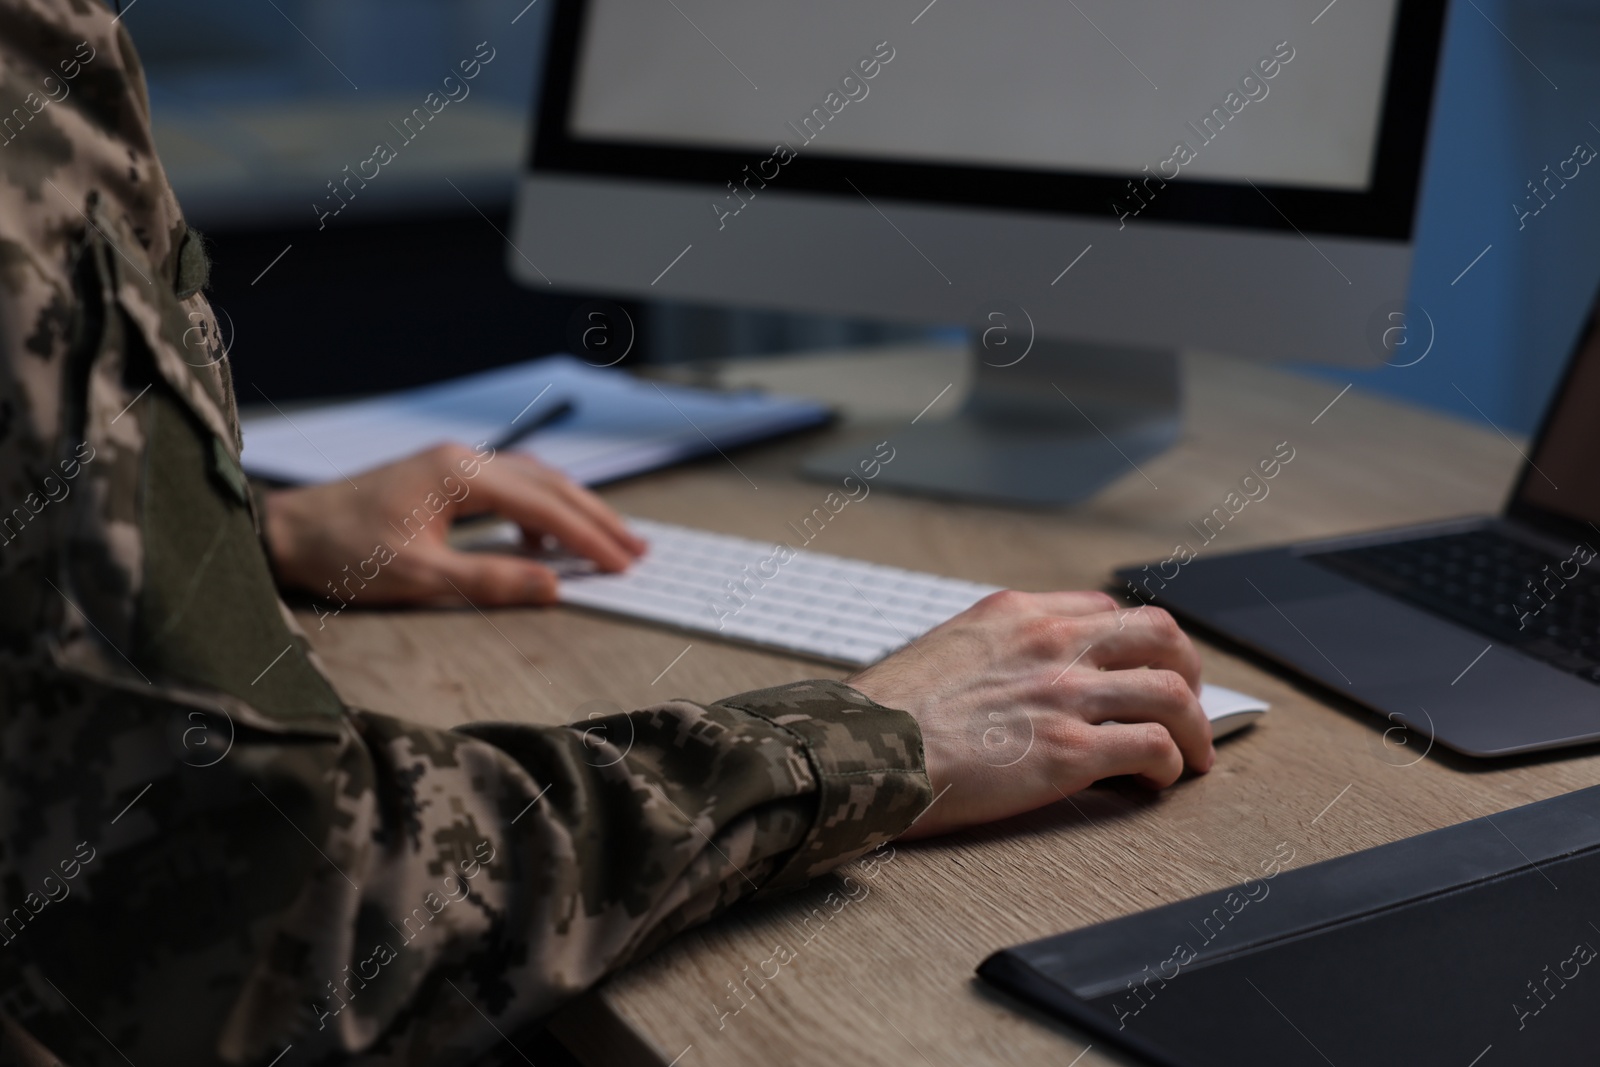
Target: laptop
(1479,634)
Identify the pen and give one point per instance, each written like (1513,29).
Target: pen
(517,433)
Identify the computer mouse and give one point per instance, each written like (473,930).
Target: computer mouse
(1229,710)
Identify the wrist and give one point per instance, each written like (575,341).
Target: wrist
(277,532)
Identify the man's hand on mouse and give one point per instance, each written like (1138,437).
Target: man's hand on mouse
(389,530)
(1025,698)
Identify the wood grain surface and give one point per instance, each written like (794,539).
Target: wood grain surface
(882,966)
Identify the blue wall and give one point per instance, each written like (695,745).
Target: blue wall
(201,52)
(1512,100)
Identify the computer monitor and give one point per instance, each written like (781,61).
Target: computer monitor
(1091,184)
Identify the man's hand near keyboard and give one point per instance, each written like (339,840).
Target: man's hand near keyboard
(319,534)
(1026,698)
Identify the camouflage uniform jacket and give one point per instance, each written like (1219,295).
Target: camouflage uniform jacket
(204,855)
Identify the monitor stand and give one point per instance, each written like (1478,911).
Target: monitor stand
(1052,428)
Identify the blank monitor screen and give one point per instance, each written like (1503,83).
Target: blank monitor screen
(1101,87)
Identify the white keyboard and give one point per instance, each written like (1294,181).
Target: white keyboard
(827,607)
(832,608)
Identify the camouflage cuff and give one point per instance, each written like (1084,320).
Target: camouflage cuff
(872,783)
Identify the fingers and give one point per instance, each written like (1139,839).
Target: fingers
(534,498)
(1159,697)
(487,579)
(600,513)
(1144,750)
(1145,638)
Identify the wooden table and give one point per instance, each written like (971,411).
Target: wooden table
(888,978)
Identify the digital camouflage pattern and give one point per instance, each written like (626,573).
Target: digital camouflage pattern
(204,856)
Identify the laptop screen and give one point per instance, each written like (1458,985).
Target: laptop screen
(1563,475)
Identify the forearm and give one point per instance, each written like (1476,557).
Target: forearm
(324,887)
(650,822)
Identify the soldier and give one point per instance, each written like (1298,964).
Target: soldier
(362,888)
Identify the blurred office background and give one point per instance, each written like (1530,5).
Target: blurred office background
(260,104)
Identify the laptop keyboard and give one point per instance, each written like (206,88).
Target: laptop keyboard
(1493,584)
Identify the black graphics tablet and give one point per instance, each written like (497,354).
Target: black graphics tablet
(1473,946)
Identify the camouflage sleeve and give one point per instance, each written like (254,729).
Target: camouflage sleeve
(204,855)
